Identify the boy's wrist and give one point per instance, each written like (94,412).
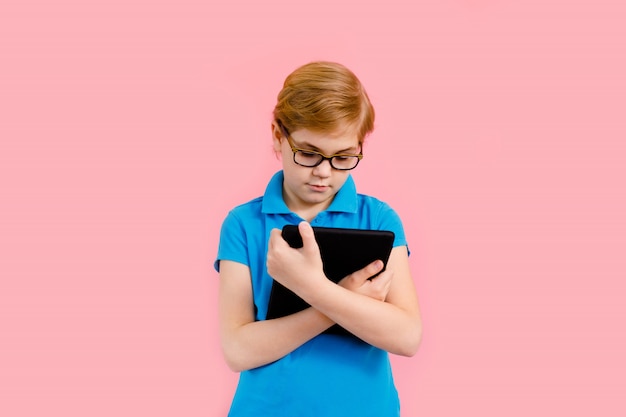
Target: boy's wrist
(316,289)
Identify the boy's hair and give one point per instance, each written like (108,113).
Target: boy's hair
(322,97)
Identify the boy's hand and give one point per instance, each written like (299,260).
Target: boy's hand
(376,288)
(296,269)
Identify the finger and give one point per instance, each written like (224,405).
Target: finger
(383,279)
(382,283)
(309,244)
(276,240)
(369,271)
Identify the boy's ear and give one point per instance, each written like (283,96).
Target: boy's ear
(277,136)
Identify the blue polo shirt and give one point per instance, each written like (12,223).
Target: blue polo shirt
(330,375)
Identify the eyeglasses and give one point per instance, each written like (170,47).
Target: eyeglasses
(308,158)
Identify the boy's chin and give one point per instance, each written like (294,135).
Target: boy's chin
(318,198)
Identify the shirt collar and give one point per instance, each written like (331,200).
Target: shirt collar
(273,203)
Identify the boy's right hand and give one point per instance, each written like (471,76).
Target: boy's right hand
(376,288)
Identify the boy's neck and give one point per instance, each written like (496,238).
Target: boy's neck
(306,211)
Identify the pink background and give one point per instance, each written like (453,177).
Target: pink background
(129,128)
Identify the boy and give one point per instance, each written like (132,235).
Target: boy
(288,367)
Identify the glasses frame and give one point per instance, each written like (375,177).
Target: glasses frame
(325,157)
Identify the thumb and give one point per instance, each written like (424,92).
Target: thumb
(308,237)
(370,270)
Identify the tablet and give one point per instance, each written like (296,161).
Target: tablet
(343,252)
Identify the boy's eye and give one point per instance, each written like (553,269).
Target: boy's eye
(309,155)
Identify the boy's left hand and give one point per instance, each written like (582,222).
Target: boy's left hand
(297,269)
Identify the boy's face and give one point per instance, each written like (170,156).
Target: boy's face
(308,191)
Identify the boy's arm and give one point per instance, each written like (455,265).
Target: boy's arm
(247,343)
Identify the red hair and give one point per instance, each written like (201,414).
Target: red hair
(323,97)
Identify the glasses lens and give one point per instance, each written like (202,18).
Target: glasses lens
(345,162)
(307,159)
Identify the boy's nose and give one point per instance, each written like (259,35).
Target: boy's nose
(323,170)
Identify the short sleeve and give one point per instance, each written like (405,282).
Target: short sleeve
(388,219)
(233,242)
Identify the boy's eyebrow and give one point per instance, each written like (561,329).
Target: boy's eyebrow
(308,146)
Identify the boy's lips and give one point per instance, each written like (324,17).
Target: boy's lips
(318,187)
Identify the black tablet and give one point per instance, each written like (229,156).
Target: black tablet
(343,252)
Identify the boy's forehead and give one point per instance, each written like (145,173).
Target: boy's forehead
(330,141)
